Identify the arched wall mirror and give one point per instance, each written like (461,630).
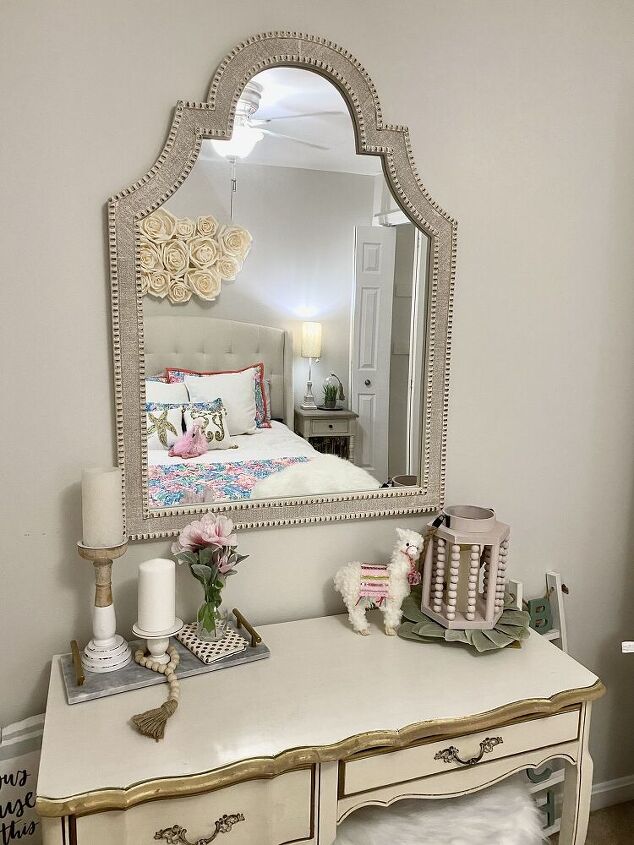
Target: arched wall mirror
(282,290)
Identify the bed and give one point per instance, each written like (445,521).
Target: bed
(273,462)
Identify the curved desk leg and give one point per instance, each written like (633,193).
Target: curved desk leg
(578,789)
(327,803)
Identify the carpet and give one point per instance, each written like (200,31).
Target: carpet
(612,826)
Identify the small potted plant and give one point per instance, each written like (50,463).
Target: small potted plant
(209,547)
(330,395)
(334,395)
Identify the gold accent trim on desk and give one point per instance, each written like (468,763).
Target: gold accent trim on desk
(298,758)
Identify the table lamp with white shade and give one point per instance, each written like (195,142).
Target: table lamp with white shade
(311,349)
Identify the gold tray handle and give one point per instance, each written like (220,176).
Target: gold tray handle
(256,639)
(177,835)
(80,678)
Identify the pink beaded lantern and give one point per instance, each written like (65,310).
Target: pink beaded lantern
(464,569)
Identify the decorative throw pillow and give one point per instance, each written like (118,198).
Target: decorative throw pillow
(267,402)
(161,377)
(236,392)
(170,394)
(260,388)
(213,417)
(164,424)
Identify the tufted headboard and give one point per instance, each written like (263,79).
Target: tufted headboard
(207,343)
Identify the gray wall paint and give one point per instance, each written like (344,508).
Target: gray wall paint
(521,123)
(301,263)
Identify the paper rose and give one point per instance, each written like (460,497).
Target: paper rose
(185,228)
(179,291)
(228,267)
(159,226)
(207,226)
(175,257)
(204,283)
(150,255)
(157,282)
(235,241)
(181,256)
(203,251)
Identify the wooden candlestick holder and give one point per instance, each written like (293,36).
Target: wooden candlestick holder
(107,651)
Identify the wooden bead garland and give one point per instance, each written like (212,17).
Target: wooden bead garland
(152,723)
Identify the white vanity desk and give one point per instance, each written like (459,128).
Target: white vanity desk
(295,743)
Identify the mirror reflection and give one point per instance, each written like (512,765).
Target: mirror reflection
(284,306)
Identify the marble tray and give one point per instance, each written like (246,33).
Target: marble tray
(134,676)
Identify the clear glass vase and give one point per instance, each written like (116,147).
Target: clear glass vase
(210,622)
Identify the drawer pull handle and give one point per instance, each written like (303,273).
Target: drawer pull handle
(452,755)
(177,835)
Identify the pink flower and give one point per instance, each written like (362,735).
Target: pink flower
(209,531)
(225,565)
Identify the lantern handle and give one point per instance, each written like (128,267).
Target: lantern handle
(430,530)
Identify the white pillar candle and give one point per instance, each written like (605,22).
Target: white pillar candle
(157,595)
(102,507)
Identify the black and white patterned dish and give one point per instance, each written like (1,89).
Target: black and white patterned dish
(208,652)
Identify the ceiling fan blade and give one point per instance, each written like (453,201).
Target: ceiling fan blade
(295,116)
(295,140)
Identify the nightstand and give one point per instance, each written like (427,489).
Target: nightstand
(330,432)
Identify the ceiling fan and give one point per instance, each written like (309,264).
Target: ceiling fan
(248,130)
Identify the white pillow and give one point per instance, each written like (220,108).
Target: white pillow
(164,424)
(170,394)
(214,426)
(236,392)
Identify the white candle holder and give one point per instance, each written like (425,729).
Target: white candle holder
(158,641)
(107,651)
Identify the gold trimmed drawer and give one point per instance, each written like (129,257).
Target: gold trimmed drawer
(373,771)
(276,811)
(323,427)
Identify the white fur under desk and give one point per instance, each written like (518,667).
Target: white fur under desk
(330,723)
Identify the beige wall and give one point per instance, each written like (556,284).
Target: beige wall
(521,121)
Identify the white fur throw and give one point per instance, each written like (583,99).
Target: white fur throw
(323,474)
(501,815)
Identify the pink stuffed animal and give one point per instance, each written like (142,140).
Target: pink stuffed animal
(191,444)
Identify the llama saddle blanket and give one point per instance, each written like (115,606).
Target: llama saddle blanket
(374,583)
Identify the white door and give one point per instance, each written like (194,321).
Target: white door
(417,355)
(371,345)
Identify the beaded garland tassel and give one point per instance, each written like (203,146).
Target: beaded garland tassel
(152,723)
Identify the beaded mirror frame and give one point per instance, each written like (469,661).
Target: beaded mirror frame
(192,122)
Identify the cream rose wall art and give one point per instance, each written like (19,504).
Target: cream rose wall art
(181,257)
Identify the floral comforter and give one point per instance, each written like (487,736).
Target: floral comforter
(186,483)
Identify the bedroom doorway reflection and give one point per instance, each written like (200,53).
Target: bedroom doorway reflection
(259,240)
(387,345)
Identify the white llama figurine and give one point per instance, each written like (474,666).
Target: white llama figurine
(365,585)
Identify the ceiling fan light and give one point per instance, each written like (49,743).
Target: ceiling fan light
(241,143)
